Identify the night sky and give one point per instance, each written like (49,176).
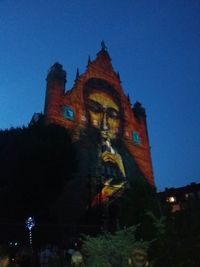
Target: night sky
(155,46)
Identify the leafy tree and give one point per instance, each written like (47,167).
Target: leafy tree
(178,245)
(134,204)
(111,249)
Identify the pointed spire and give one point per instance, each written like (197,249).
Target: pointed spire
(118,76)
(103,46)
(89,60)
(104,51)
(102,60)
(77,74)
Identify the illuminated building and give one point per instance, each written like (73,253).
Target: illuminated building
(110,134)
(178,197)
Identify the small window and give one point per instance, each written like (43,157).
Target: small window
(68,113)
(136,138)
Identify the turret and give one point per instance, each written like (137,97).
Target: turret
(55,88)
(139,111)
(140,114)
(56,72)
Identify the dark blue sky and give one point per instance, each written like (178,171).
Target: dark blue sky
(154,44)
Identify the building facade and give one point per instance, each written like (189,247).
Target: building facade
(110,134)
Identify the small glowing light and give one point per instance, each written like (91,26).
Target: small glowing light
(30,223)
(171,199)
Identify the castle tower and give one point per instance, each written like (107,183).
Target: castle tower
(55,89)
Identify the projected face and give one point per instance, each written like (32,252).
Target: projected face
(104,113)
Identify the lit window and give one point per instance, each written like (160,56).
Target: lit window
(68,113)
(189,195)
(171,199)
(136,138)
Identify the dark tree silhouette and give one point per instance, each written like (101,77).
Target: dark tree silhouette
(36,163)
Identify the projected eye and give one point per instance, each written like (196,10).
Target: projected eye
(94,106)
(112,113)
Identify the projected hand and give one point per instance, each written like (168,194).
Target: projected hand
(115,159)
